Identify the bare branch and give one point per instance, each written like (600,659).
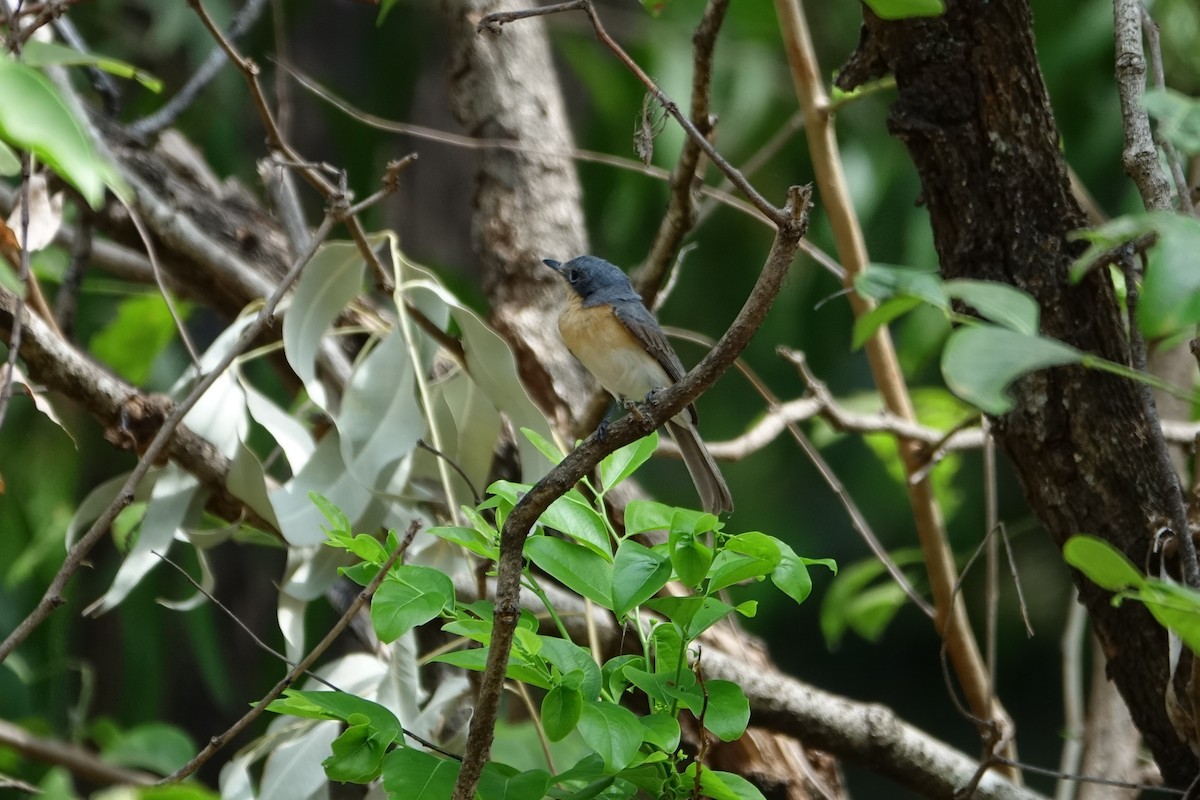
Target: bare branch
(1140,156)
(81,762)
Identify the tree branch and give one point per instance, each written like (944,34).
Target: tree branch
(585,457)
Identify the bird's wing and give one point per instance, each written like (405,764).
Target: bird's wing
(638,321)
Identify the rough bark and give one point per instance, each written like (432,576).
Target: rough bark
(973,112)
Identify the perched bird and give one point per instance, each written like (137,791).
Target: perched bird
(608,328)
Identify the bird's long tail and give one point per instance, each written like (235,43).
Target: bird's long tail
(710,484)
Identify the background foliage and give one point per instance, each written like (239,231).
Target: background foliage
(103,679)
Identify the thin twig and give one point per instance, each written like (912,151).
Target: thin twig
(1174,163)
(584,458)
(151,124)
(680,217)
(219,741)
(493,23)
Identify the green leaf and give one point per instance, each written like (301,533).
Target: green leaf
(502,782)
(891,308)
(690,557)
(647,515)
(1175,607)
(612,731)
(881,281)
(416,775)
(153,746)
(574,516)
(662,687)
(980,362)
(727,712)
(33,117)
(409,596)
(470,539)
(43,54)
(661,730)
(623,462)
(544,446)
(1105,565)
(338,521)
(1005,305)
(561,708)
(141,330)
(570,657)
(578,568)
(357,753)
(904,9)
(719,785)
(745,556)
(1170,299)
(791,576)
(638,573)
(1178,117)
(338,706)
(693,614)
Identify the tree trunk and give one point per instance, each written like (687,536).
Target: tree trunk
(1086,447)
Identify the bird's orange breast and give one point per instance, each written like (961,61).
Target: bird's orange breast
(609,351)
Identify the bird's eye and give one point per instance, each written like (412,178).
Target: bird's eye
(572,275)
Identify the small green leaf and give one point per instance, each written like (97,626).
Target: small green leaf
(904,9)
(574,516)
(638,573)
(543,445)
(579,568)
(623,462)
(1005,305)
(42,54)
(561,708)
(881,281)
(357,753)
(338,521)
(409,596)
(571,658)
(690,557)
(719,785)
(34,117)
(791,576)
(745,556)
(502,782)
(660,730)
(154,746)
(891,308)
(339,706)
(1175,607)
(980,362)
(416,775)
(470,539)
(1105,565)
(612,731)
(727,712)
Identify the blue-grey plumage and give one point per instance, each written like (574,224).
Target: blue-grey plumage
(612,333)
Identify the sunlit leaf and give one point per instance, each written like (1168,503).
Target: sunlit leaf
(1105,565)
(41,54)
(33,117)
(1005,305)
(903,9)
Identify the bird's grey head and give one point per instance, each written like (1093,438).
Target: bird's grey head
(590,276)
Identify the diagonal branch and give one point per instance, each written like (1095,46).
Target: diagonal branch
(585,457)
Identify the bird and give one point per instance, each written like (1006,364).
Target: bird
(610,331)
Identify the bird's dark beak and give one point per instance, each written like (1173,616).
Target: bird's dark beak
(552,264)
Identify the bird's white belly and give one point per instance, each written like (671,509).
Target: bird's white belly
(623,371)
